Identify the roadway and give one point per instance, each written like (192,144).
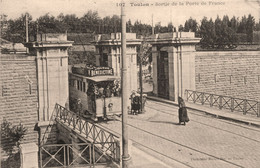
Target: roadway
(204,142)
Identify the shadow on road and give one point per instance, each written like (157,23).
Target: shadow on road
(165,122)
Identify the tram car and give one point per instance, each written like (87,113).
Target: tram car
(94,92)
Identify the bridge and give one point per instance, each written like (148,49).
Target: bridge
(78,142)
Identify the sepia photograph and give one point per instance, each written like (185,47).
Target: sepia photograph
(130,83)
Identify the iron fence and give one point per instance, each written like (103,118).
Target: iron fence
(103,139)
(74,155)
(224,102)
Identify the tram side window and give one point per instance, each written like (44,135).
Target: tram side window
(84,87)
(70,82)
(77,84)
(80,85)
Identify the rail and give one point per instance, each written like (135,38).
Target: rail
(224,102)
(72,155)
(104,141)
(90,130)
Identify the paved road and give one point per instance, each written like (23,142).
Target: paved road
(204,142)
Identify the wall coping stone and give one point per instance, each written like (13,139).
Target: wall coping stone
(28,148)
(45,123)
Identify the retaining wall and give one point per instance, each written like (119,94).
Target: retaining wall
(18,93)
(229,73)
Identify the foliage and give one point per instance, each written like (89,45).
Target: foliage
(224,33)
(207,33)
(170,27)
(12,161)
(78,57)
(141,29)
(218,33)
(4,51)
(191,25)
(144,53)
(181,28)
(13,135)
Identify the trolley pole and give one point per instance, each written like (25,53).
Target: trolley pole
(141,77)
(152,25)
(125,157)
(26,31)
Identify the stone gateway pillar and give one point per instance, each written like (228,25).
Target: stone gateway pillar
(173,63)
(51,55)
(108,53)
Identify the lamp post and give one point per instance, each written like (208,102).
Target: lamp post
(125,97)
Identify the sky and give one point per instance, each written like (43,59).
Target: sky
(164,11)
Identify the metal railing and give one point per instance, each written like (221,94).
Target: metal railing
(92,131)
(224,102)
(73,155)
(105,141)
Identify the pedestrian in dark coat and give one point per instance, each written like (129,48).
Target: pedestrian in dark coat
(79,107)
(183,114)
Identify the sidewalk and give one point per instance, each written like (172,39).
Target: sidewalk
(223,114)
(140,159)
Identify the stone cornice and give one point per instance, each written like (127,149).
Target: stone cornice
(46,44)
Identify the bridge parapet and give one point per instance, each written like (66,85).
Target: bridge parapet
(93,132)
(105,143)
(82,142)
(224,102)
(73,155)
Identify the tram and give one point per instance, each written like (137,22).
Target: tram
(94,92)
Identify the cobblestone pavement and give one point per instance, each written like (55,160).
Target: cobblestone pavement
(204,142)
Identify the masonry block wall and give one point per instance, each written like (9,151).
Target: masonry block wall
(49,135)
(229,73)
(18,93)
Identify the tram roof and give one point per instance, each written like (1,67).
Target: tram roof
(98,78)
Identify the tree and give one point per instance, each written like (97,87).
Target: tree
(234,24)
(90,21)
(143,58)
(116,23)
(70,23)
(157,27)
(242,25)
(207,33)
(250,27)
(218,30)
(191,25)
(13,135)
(170,27)
(105,24)
(49,24)
(16,28)
(129,26)
(181,28)
(3,24)
(257,26)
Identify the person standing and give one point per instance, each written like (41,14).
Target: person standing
(183,114)
(79,107)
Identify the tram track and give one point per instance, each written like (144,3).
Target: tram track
(174,142)
(167,112)
(203,115)
(214,126)
(147,147)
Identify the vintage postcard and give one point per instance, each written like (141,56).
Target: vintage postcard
(130,83)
